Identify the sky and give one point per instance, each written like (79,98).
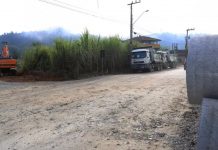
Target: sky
(110,17)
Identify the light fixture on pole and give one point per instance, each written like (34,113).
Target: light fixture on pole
(140,16)
(187,38)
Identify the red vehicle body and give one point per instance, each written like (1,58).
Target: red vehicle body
(7,63)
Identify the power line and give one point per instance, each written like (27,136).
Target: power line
(69,7)
(78,11)
(146,30)
(67,4)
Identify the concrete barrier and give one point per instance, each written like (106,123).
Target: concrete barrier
(208,130)
(202,69)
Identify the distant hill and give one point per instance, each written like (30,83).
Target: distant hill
(168,38)
(18,42)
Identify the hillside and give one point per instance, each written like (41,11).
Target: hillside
(18,42)
(168,38)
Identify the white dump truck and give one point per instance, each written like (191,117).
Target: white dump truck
(150,59)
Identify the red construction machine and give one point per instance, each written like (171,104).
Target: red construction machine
(7,63)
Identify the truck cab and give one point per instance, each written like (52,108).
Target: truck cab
(140,59)
(7,63)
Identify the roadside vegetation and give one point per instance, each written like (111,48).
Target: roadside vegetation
(72,58)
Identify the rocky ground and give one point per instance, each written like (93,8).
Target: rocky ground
(131,111)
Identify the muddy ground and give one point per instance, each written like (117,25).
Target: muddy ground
(131,111)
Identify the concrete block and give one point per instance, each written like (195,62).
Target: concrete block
(202,69)
(208,130)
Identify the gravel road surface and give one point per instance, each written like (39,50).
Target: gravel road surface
(130,111)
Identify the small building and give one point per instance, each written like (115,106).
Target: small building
(148,41)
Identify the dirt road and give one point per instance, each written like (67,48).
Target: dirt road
(132,111)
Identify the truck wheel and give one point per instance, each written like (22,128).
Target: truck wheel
(174,65)
(161,67)
(13,72)
(201,69)
(151,68)
(1,74)
(155,67)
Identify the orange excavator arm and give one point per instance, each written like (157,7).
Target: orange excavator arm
(5,51)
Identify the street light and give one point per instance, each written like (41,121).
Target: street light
(187,38)
(186,45)
(140,16)
(138,19)
(132,23)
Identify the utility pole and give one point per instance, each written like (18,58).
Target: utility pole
(186,45)
(97,3)
(131,21)
(187,38)
(174,46)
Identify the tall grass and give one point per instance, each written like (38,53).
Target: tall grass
(38,57)
(73,58)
